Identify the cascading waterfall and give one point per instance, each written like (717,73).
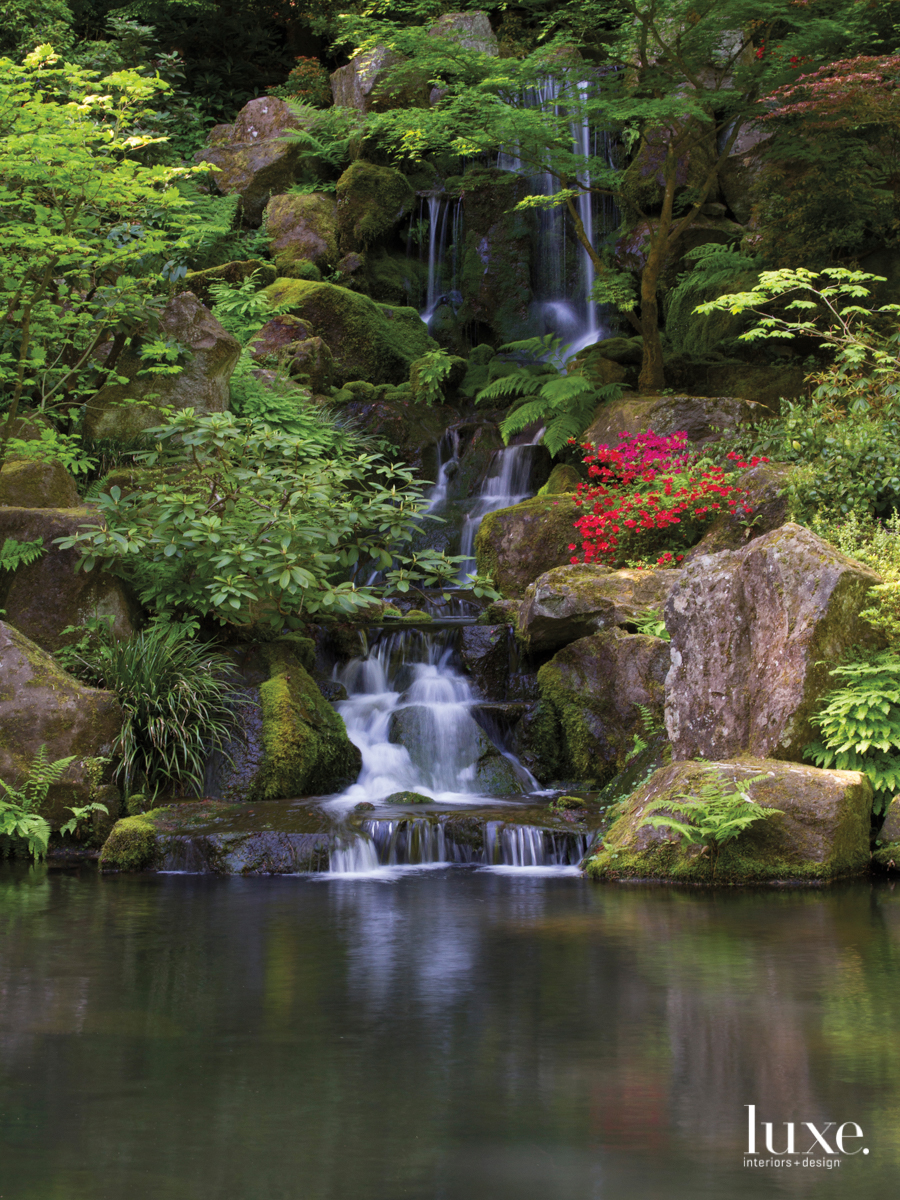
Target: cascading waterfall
(410,713)
(444,215)
(508,482)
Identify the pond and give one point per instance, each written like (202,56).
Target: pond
(443,1034)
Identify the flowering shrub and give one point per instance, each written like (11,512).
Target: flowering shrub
(651,494)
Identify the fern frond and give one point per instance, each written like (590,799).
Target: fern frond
(516,384)
(15,554)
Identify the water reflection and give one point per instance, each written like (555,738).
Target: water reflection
(451,1035)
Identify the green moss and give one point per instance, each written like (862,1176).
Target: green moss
(564,730)
(372,200)
(132,845)
(306,750)
(300,268)
(517,544)
(233,273)
(563,479)
(408,798)
(370,342)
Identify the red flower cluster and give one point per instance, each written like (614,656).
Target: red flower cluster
(645,486)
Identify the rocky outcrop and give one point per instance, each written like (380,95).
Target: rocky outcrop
(766,491)
(369,341)
(516,545)
(753,633)
(40,705)
(252,156)
(201,384)
(274,341)
(704,419)
(585,722)
(364,83)
(42,599)
(470,29)
(305,746)
(573,602)
(371,202)
(823,832)
(302,229)
(25,484)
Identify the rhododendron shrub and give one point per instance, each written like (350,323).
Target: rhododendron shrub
(650,497)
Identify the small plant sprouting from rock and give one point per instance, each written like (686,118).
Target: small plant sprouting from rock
(19,819)
(713,814)
(649,726)
(860,723)
(652,624)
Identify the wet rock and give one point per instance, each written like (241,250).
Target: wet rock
(766,491)
(485,653)
(252,155)
(40,705)
(42,599)
(516,545)
(753,632)
(822,834)
(302,229)
(585,723)
(371,202)
(202,383)
(572,602)
(405,798)
(369,341)
(25,484)
(471,29)
(704,419)
(886,854)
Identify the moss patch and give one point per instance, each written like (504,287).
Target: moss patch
(517,544)
(132,845)
(372,200)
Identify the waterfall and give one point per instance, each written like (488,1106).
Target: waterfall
(444,215)
(409,710)
(508,482)
(421,842)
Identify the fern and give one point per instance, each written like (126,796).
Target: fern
(652,624)
(15,554)
(564,403)
(860,723)
(716,269)
(18,818)
(211,235)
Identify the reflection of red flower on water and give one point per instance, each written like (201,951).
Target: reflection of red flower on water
(631,1113)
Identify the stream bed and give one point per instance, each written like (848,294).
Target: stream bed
(446,1033)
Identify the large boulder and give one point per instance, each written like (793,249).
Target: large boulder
(516,545)
(369,341)
(42,706)
(302,229)
(592,694)
(371,202)
(275,339)
(471,30)
(48,595)
(253,158)
(822,834)
(365,83)
(573,602)
(305,747)
(766,492)
(704,419)
(25,484)
(201,384)
(753,634)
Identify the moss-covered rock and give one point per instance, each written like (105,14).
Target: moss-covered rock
(48,595)
(517,544)
(253,158)
(563,479)
(211,354)
(233,273)
(588,714)
(369,341)
(407,798)
(302,229)
(132,845)
(25,484)
(371,202)
(306,750)
(823,833)
(572,602)
(40,705)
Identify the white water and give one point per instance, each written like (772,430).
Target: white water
(408,688)
(444,233)
(419,842)
(508,483)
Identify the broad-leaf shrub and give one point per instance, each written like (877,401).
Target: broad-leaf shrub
(243,521)
(859,723)
(650,495)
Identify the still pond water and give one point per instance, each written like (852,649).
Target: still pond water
(439,1035)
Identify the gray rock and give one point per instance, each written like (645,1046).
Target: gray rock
(471,29)
(252,157)
(753,632)
(515,545)
(362,83)
(704,419)
(42,599)
(573,602)
(484,650)
(766,492)
(202,383)
(823,832)
(40,705)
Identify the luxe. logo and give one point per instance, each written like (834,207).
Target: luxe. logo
(800,1140)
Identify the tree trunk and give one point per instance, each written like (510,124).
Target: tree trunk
(652,377)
